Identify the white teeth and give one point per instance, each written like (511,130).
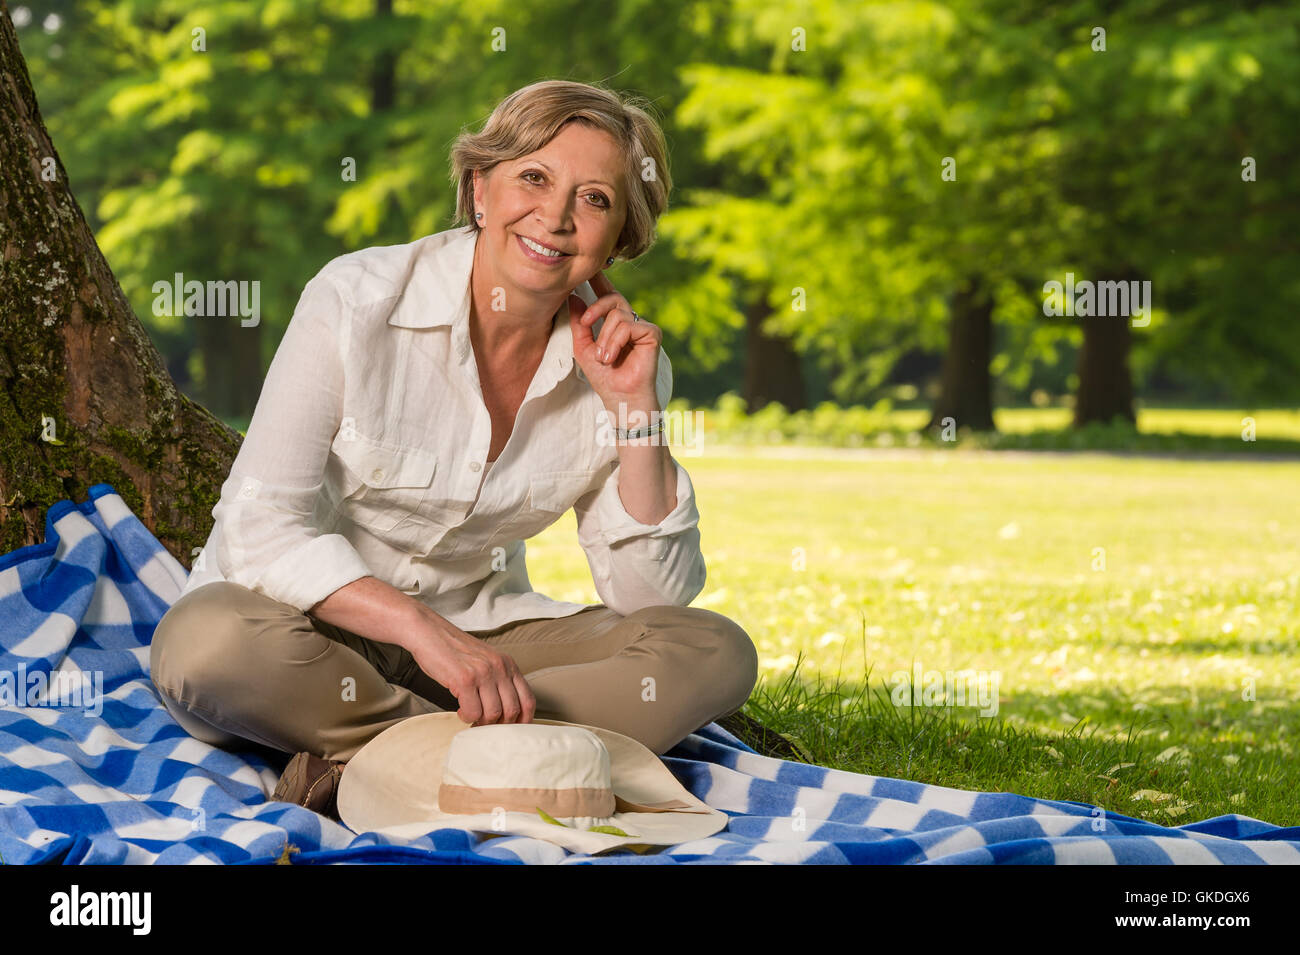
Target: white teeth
(539,248)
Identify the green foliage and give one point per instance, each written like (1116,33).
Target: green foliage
(810,181)
(1067,158)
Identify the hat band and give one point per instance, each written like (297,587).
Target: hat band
(576,801)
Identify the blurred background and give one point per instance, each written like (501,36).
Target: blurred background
(869,198)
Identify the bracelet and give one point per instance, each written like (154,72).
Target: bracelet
(624,434)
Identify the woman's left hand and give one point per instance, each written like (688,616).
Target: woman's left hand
(622,363)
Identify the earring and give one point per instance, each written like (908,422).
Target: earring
(478,217)
(609,261)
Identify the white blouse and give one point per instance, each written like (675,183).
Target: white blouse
(367,449)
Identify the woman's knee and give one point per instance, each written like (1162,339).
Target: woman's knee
(206,639)
(190,636)
(726,664)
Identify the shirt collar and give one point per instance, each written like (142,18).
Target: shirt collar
(438,293)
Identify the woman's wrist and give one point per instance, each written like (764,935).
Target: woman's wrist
(376,610)
(633,413)
(423,622)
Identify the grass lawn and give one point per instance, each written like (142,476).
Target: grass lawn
(1276,423)
(1137,614)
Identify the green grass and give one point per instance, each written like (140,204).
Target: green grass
(1279,423)
(1274,431)
(1120,687)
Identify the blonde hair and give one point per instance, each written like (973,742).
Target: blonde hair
(529,118)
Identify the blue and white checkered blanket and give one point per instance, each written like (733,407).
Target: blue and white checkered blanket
(94,770)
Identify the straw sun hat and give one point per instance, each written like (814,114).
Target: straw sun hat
(584,788)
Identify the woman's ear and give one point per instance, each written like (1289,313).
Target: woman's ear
(478,191)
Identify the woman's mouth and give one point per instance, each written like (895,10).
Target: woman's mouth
(539,253)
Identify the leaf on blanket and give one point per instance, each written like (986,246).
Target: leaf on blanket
(552,820)
(609,830)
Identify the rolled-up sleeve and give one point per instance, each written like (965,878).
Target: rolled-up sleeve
(633,564)
(267,541)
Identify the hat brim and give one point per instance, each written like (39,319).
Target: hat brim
(390,787)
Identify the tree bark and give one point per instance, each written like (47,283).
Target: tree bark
(76,365)
(966,390)
(773,371)
(1105,383)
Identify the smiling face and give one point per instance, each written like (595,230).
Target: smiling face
(566,196)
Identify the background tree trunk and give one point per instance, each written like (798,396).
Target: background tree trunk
(966,393)
(232,366)
(76,364)
(1105,382)
(773,371)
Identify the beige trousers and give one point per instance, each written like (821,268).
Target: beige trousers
(232,664)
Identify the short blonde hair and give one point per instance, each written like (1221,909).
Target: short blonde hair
(530,117)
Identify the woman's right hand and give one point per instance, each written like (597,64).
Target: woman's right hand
(487,683)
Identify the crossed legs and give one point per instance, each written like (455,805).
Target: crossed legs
(232,664)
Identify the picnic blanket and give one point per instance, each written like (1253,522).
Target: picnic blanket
(107,776)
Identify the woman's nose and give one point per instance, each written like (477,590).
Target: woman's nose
(555,213)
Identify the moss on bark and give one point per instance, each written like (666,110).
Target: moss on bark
(77,366)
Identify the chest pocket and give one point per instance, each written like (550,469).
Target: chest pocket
(550,494)
(382,486)
(553,492)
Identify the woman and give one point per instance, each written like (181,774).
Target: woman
(430,407)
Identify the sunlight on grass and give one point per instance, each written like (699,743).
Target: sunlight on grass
(1140,613)
(1283,423)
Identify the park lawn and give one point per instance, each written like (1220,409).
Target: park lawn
(1276,423)
(1160,686)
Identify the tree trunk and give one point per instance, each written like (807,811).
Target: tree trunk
(232,365)
(773,371)
(383,77)
(85,396)
(966,393)
(1105,384)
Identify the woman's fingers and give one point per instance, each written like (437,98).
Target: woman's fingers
(527,701)
(618,331)
(471,706)
(617,340)
(489,705)
(608,334)
(503,694)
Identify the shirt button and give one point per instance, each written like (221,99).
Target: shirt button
(377,474)
(474,465)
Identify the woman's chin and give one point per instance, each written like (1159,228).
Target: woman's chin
(537,281)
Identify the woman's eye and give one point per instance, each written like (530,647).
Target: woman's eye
(603,202)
